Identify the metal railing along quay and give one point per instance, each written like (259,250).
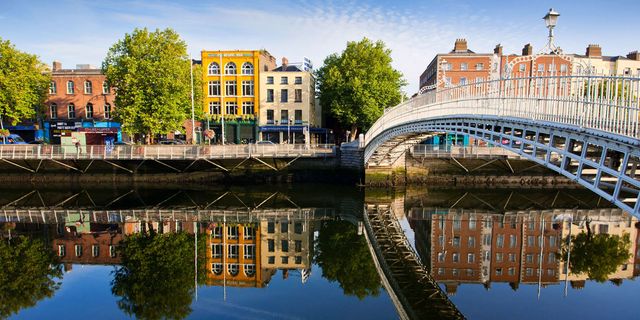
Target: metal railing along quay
(466,152)
(164,152)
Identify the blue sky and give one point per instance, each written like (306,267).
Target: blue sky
(76,32)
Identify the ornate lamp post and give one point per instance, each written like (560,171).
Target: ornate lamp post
(550,20)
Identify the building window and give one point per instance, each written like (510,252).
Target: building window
(456,257)
(247,68)
(52,87)
(284,117)
(88,87)
(441,256)
(232,232)
(78,250)
(284,95)
(214,107)
(463,81)
(284,80)
(446,66)
(552,67)
(298,95)
(285,260)
(271,227)
(298,80)
(512,257)
(214,68)
(298,246)
(62,250)
(249,232)
(471,242)
(478,82)
(247,107)
(89,111)
(457,222)
(529,258)
(472,223)
(54,111)
(269,80)
(70,87)
(249,270)
(456,241)
(297,228)
(216,250)
(541,67)
(214,88)
(284,245)
(230,89)
(512,271)
(498,271)
(269,95)
(440,271)
(216,232)
(233,269)
(234,251)
(271,245)
(284,227)
(552,241)
(479,66)
(107,111)
(247,88)
(249,251)
(230,68)
(71,111)
(298,260)
(513,241)
(105,88)
(522,67)
(499,257)
(270,119)
(500,241)
(471,258)
(231,107)
(271,260)
(95,250)
(528,272)
(112,251)
(216,268)
(530,241)
(464,66)
(298,117)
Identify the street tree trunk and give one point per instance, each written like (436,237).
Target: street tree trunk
(354,132)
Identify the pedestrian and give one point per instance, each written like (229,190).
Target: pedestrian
(78,147)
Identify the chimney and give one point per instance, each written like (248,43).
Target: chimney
(57,65)
(460,45)
(594,51)
(498,50)
(527,50)
(285,63)
(634,55)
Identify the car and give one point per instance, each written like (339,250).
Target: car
(169,141)
(267,142)
(12,139)
(122,143)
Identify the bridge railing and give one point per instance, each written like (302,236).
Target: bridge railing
(471,152)
(163,152)
(606,103)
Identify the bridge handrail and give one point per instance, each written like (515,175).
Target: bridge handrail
(162,152)
(606,103)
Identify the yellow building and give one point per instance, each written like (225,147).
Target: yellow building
(231,81)
(233,256)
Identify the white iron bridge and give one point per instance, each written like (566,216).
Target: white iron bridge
(585,127)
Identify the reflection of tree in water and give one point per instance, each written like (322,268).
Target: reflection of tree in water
(597,255)
(344,256)
(156,277)
(27,274)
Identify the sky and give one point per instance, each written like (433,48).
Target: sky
(81,32)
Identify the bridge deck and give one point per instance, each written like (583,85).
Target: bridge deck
(415,293)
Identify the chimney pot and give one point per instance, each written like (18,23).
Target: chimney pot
(57,65)
(498,50)
(634,55)
(594,51)
(285,63)
(460,45)
(527,50)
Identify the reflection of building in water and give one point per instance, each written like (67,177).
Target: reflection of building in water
(166,226)
(288,245)
(233,251)
(466,246)
(91,243)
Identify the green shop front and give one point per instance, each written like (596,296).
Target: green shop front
(236,129)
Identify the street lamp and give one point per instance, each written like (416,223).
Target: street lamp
(550,20)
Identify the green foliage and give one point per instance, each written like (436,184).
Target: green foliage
(198,94)
(28,272)
(357,85)
(156,279)
(150,71)
(614,91)
(597,255)
(23,83)
(344,256)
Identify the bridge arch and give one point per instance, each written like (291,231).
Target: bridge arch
(561,122)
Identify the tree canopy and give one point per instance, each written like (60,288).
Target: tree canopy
(28,272)
(358,84)
(345,257)
(156,278)
(597,255)
(23,84)
(150,71)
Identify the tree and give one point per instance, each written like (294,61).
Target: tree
(156,278)
(357,85)
(345,257)
(597,255)
(23,84)
(150,71)
(28,272)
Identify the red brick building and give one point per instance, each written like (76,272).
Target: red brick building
(98,246)
(80,105)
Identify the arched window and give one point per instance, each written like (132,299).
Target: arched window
(71,111)
(233,269)
(249,270)
(105,88)
(216,268)
(52,88)
(88,87)
(247,68)
(230,68)
(54,111)
(214,68)
(89,111)
(70,87)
